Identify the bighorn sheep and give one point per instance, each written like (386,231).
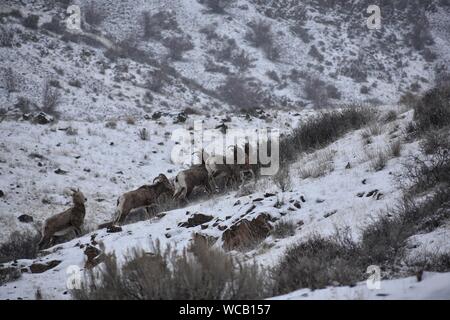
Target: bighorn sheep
(141,197)
(188,179)
(231,172)
(70,220)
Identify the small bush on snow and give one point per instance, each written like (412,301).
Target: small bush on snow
(20,245)
(198,272)
(432,111)
(261,36)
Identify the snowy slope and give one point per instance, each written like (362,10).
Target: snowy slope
(330,202)
(433,286)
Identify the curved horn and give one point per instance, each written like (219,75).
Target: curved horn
(157,179)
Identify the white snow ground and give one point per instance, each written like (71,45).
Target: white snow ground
(333,193)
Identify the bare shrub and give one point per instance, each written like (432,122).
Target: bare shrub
(54,25)
(177,45)
(430,261)
(6,37)
(154,25)
(143,134)
(238,92)
(130,120)
(198,272)
(20,245)
(390,116)
(283,179)
(431,169)
(356,70)
(111,125)
(315,53)
(242,60)
(318,92)
(433,109)
(373,130)
(409,100)
(261,36)
(435,140)
(395,148)
(216,6)
(31,21)
(317,263)
(10,80)
(51,98)
(93,13)
(9,274)
(322,130)
(377,159)
(283,229)
(24,105)
(318,165)
(156,79)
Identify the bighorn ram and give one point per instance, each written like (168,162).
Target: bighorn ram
(141,197)
(70,220)
(231,172)
(188,179)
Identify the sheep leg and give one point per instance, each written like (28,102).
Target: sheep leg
(44,242)
(77,231)
(213,183)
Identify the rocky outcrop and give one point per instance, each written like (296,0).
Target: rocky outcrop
(204,239)
(42,267)
(24,218)
(195,220)
(246,233)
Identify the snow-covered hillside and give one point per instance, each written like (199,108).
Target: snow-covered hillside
(114,93)
(343,197)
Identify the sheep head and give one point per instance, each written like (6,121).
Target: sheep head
(77,196)
(162,179)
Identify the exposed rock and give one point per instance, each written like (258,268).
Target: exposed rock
(250,209)
(2,194)
(60,171)
(156,115)
(268,195)
(195,220)
(329,214)
(246,233)
(297,204)
(360,194)
(180,118)
(204,239)
(113,229)
(372,193)
(42,267)
(25,218)
(42,118)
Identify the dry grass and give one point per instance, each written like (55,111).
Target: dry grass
(198,272)
(317,165)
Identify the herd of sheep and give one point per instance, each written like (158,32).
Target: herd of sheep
(203,175)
